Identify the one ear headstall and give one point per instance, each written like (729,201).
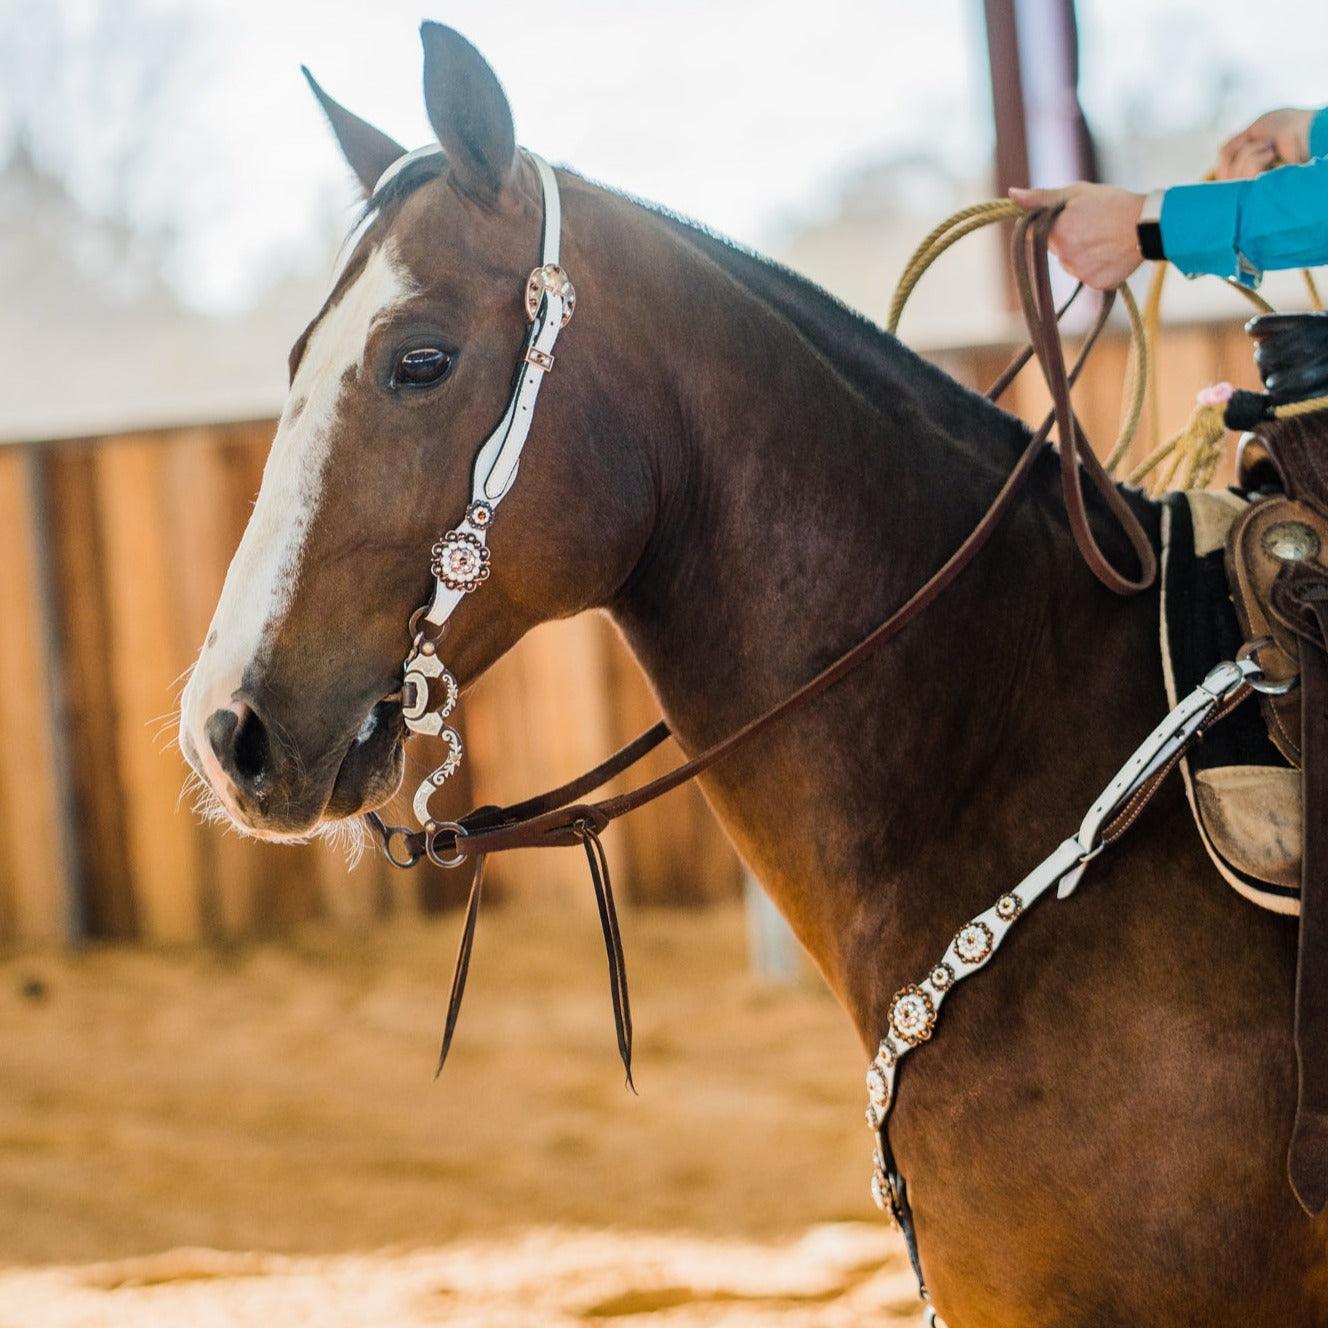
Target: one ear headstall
(459,559)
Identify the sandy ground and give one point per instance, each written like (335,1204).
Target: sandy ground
(219,1138)
(833,1277)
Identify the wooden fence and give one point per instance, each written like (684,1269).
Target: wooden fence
(114,550)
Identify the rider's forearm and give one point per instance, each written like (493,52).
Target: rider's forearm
(1242,228)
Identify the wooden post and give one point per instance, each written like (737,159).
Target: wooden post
(1042,137)
(774,952)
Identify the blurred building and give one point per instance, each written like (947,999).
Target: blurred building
(91,334)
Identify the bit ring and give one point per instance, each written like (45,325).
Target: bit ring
(458,831)
(392,833)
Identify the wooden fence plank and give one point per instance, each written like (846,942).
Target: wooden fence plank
(34,880)
(147,658)
(99,803)
(674,851)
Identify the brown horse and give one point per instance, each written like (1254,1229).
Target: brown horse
(748,477)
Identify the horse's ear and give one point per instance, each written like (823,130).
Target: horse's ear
(469,112)
(368,150)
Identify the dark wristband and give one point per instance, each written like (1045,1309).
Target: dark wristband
(1149,228)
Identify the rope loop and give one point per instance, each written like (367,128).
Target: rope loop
(1190,456)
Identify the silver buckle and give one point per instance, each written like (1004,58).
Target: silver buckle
(551,279)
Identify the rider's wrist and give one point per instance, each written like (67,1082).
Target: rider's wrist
(1149,228)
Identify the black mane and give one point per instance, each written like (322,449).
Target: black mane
(874,363)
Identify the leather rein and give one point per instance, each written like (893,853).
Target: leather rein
(561,817)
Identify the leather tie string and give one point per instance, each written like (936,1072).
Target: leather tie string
(613,947)
(462,968)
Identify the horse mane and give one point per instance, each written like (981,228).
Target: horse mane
(870,361)
(874,363)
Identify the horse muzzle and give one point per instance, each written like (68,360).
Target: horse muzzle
(273,788)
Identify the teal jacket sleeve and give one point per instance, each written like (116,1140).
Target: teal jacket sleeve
(1242,228)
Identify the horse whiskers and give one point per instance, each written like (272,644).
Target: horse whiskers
(206,805)
(348,836)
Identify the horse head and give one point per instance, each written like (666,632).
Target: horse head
(293,713)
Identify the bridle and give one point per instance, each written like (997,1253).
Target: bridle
(561,817)
(460,557)
(460,565)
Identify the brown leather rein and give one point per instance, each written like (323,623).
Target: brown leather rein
(558,817)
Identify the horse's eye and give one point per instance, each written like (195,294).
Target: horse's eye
(422,367)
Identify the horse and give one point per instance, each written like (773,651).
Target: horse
(747,477)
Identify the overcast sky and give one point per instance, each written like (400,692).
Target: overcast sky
(740,112)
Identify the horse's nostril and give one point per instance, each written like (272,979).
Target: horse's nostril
(252,754)
(240,740)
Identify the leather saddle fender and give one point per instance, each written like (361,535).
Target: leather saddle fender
(1277,562)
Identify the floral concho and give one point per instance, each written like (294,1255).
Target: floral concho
(460,561)
(479,513)
(973,941)
(912,1015)
(941,977)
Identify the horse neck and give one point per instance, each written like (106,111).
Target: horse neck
(796,510)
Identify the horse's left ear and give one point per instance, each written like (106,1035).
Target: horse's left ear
(469,112)
(368,151)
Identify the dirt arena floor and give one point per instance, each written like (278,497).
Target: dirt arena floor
(255,1137)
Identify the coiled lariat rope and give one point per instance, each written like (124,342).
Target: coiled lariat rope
(970,219)
(1189,459)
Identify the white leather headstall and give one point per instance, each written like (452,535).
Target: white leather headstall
(460,556)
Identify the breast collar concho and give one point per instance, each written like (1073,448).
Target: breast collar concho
(460,561)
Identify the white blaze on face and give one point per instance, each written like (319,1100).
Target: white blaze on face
(260,583)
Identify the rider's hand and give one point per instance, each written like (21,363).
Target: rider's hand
(1095,236)
(1279,137)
